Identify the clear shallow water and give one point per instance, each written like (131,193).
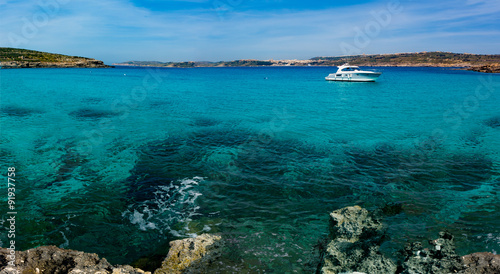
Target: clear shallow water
(121,161)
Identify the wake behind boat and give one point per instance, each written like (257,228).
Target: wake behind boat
(350,73)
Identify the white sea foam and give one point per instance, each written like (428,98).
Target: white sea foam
(66,241)
(173,203)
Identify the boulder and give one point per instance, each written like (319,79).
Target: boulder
(51,259)
(192,255)
(481,263)
(355,238)
(439,259)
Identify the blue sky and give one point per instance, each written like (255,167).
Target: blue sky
(213,30)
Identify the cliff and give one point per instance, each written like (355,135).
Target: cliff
(23,58)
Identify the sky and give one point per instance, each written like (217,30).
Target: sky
(216,30)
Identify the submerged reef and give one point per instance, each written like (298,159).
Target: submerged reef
(93,113)
(493,122)
(18,111)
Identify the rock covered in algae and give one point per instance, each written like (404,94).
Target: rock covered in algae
(51,259)
(355,238)
(192,255)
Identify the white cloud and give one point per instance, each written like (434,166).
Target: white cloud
(118,30)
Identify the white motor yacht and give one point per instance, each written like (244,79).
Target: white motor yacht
(350,73)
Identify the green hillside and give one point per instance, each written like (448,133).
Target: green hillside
(25,58)
(14,54)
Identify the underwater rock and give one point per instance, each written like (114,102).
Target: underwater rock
(17,111)
(441,259)
(205,122)
(192,255)
(355,236)
(481,262)
(493,122)
(51,259)
(93,113)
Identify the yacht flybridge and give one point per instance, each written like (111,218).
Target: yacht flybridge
(350,73)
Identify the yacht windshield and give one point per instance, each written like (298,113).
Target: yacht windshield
(350,69)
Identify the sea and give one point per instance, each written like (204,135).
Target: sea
(121,161)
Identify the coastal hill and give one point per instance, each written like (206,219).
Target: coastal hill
(23,58)
(420,59)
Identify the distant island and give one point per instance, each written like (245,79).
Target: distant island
(24,58)
(419,59)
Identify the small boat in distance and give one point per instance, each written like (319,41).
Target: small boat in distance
(350,73)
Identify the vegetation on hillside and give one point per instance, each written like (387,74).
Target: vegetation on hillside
(448,59)
(25,55)
(437,58)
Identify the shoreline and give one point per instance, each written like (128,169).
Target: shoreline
(353,246)
(284,66)
(479,68)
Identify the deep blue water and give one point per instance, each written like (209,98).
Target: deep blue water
(121,161)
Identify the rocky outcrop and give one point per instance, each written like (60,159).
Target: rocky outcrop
(486,68)
(481,263)
(51,259)
(192,255)
(89,63)
(353,247)
(355,236)
(439,259)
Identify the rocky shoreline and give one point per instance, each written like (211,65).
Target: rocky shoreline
(486,68)
(353,246)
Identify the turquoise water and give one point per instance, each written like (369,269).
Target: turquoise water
(121,161)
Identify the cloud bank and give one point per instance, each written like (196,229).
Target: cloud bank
(182,30)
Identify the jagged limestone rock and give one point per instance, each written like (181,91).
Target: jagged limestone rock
(192,255)
(481,263)
(355,237)
(440,259)
(51,259)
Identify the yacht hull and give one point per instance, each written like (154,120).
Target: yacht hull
(354,77)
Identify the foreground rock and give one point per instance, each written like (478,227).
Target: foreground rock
(481,263)
(355,236)
(51,259)
(440,259)
(192,255)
